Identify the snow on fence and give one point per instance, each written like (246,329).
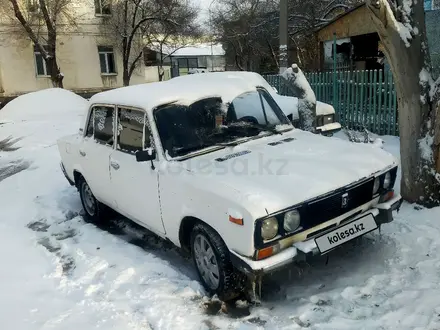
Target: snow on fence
(362,99)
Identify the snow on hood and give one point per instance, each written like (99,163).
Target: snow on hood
(45,103)
(275,177)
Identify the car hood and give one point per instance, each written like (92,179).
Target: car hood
(289,105)
(280,171)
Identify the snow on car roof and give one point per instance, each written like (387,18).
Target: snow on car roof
(250,77)
(184,90)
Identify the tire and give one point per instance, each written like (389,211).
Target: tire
(94,210)
(227,282)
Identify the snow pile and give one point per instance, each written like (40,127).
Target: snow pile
(48,102)
(298,83)
(40,118)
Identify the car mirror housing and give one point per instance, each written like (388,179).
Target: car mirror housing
(145,155)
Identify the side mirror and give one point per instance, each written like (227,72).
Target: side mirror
(275,89)
(146,155)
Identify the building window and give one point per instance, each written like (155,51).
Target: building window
(40,64)
(193,63)
(107,60)
(103,7)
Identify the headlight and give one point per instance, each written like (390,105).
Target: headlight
(292,220)
(376,186)
(328,119)
(269,228)
(387,180)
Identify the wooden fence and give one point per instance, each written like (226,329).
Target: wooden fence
(362,99)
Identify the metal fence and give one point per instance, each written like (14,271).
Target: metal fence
(362,99)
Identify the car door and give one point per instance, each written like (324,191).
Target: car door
(136,184)
(95,152)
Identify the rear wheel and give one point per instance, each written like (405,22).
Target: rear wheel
(94,210)
(211,258)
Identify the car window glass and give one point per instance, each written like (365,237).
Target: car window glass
(272,117)
(103,124)
(131,131)
(89,132)
(248,105)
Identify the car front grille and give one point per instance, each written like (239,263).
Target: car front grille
(331,206)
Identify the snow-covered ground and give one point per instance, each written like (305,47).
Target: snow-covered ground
(59,272)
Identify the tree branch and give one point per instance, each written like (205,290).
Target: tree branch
(133,65)
(139,24)
(328,12)
(50,27)
(28,28)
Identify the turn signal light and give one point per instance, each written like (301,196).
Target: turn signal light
(265,253)
(389,195)
(237,221)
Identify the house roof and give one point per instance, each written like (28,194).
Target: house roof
(340,16)
(202,49)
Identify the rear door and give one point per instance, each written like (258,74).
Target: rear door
(136,185)
(95,152)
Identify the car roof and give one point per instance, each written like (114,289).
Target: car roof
(183,90)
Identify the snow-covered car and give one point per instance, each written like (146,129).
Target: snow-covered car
(325,113)
(215,167)
(195,71)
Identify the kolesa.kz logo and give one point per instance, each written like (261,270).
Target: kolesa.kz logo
(347,233)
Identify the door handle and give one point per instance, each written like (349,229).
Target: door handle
(114,164)
(82,153)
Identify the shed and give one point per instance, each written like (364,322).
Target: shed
(358,46)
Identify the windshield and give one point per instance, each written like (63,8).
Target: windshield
(210,122)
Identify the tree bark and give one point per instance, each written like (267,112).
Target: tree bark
(403,34)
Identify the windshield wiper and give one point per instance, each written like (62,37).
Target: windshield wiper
(182,151)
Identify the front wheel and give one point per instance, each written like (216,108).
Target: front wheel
(211,258)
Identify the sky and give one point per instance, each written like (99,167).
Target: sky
(204,7)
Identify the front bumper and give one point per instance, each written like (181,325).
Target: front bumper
(382,213)
(329,129)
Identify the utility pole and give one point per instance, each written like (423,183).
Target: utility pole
(283,35)
(212,36)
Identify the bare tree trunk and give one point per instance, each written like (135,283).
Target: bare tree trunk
(403,34)
(55,74)
(51,61)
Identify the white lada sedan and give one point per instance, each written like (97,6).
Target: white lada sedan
(216,167)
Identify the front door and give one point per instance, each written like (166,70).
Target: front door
(135,185)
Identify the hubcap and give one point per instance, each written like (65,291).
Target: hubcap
(88,199)
(206,261)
